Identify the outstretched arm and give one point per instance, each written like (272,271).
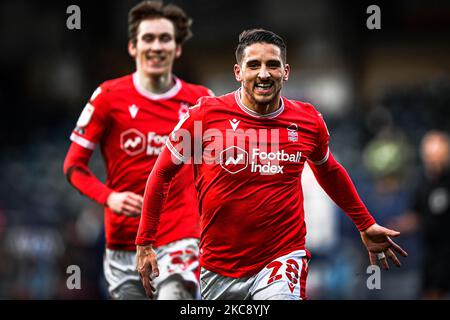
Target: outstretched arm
(336,182)
(156,191)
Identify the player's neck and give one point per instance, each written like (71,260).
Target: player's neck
(156,84)
(268,108)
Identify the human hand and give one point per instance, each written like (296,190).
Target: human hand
(127,203)
(147,265)
(378,242)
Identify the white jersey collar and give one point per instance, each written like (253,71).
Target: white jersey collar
(274,114)
(153,96)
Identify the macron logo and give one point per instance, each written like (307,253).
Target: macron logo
(133,143)
(232,160)
(133,110)
(234,124)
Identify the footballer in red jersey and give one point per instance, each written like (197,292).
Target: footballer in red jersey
(248,149)
(131,118)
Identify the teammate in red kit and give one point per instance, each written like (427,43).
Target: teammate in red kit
(248,149)
(131,117)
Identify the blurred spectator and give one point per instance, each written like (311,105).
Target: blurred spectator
(431,214)
(388,159)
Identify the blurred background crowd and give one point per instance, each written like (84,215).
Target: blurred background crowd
(380,91)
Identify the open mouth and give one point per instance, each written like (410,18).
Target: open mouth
(156,59)
(264,88)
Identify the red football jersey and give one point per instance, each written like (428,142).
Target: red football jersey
(132,125)
(248,177)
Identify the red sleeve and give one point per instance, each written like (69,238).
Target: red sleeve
(93,120)
(320,154)
(155,194)
(179,149)
(185,141)
(88,131)
(336,182)
(78,174)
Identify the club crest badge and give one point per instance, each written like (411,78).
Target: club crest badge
(292,132)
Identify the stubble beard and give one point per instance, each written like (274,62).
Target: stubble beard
(262,104)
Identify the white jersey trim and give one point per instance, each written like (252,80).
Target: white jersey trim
(82,142)
(276,113)
(325,159)
(153,96)
(174,151)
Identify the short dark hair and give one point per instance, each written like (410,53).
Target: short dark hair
(249,37)
(155,9)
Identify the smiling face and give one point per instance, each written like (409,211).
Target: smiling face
(261,73)
(155,49)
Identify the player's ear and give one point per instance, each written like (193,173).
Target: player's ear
(287,69)
(132,49)
(237,72)
(178,51)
